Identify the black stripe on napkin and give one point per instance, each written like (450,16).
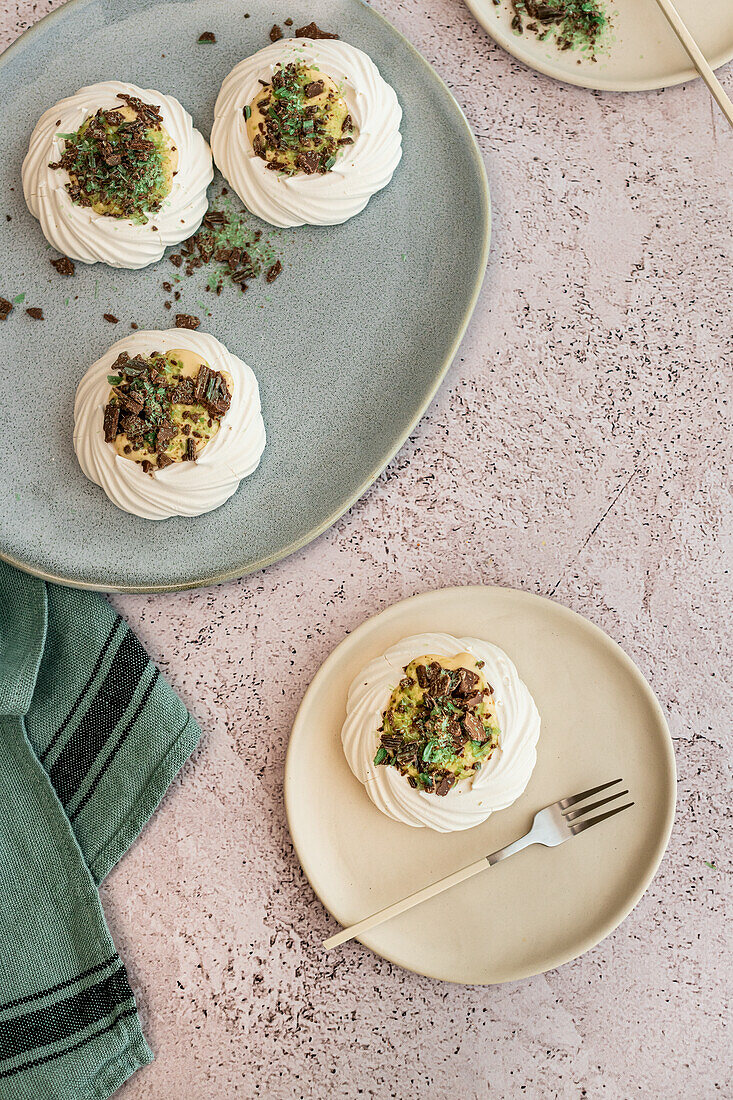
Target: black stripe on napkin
(68,1050)
(57,988)
(101,718)
(120,741)
(84,690)
(42,1026)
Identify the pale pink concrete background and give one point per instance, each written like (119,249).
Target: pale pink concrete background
(580,448)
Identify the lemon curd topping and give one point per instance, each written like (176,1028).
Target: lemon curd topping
(121,161)
(299,122)
(164,408)
(440,724)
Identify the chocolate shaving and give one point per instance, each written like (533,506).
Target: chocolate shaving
(273,272)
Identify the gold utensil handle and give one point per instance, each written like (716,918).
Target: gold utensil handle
(406,903)
(697,57)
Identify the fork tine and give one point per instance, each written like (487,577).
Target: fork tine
(578,828)
(593,806)
(566,803)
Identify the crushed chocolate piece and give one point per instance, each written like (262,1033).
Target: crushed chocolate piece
(175,259)
(111,318)
(313,89)
(184,392)
(275,33)
(273,272)
(185,320)
(130,402)
(312,30)
(164,460)
(467,681)
(308,162)
(6,308)
(207,36)
(35,312)
(474,727)
(190,454)
(445,784)
(111,420)
(64,265)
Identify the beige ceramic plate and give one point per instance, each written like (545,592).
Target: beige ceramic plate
(544,906)
(641,50)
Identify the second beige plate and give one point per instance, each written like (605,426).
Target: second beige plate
(543,907)
(638,53)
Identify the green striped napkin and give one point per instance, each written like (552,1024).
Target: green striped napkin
(90,738)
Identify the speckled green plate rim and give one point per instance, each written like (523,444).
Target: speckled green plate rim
(384,461)
(616,917)
(681,76)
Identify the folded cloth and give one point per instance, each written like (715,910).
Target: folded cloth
(90,738)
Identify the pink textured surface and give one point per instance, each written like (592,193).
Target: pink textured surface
(581,449)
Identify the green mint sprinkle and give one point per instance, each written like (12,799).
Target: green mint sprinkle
(381,755)
(66,301)
(114,379)
(247,113)
(710,865)
(19,298)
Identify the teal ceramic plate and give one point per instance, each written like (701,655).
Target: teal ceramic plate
(349,345)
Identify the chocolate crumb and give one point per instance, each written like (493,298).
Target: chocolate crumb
(111,318)
(276,33)
(176,260)
(35,312)
(312,30)
(185,320)
(64,265)
(273,272)
(166,305)
(207,36)
(6,308)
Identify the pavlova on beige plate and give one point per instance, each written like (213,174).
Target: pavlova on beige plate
(441,731)
(306,131)
(168,423)
(116,173)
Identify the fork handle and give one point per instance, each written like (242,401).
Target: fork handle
(407,903)
(428,892)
